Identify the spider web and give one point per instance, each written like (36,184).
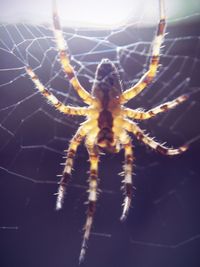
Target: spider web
(163,224)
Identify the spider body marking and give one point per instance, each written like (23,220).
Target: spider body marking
(108,122)
(106,90)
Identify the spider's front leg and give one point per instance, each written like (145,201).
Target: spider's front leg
(92,198)
(65,60)
(52,99)
(154,60)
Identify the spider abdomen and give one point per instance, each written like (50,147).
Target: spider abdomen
(105,119)
(105,136)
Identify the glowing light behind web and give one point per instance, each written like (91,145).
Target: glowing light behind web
(104,13)
(96,13)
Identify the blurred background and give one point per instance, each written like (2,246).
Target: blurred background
(163,225)
(95,13)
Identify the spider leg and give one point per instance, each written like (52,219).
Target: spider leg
(65,60)
(125,140)
(141,136)
(143,115)
(66,175)
(92,198)
(81,111)
(128,185)
(154,61)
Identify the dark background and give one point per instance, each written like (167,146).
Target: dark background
(163,225)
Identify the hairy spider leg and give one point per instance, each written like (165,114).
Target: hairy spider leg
(125,141)
(85,128)
(154,60)
(141,136)
(65,60)
(92,197)
(128,184)
(143,115)
(66,176)
(81,111)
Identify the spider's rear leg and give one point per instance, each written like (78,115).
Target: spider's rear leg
(141,136)
(92,198)
(128,185)
(74,143)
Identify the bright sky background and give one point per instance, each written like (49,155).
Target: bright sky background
(93,12)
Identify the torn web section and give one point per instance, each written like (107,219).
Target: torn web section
(34,136)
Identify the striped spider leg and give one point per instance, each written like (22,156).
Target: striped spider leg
(127,187)
(147,78)
(138,114)
(81,111)
(65,59)
(132,127)
(66,175)
(76,140)
(93,193)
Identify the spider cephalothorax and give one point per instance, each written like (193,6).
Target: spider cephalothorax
(107,81)
(108,120)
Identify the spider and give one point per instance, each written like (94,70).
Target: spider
(108,120)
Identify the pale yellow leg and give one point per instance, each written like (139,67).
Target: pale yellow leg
(81,111)
(66,175)
(143,115)
(154,61)
(128,184)
(65,60)
(141,136)
(92,197)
